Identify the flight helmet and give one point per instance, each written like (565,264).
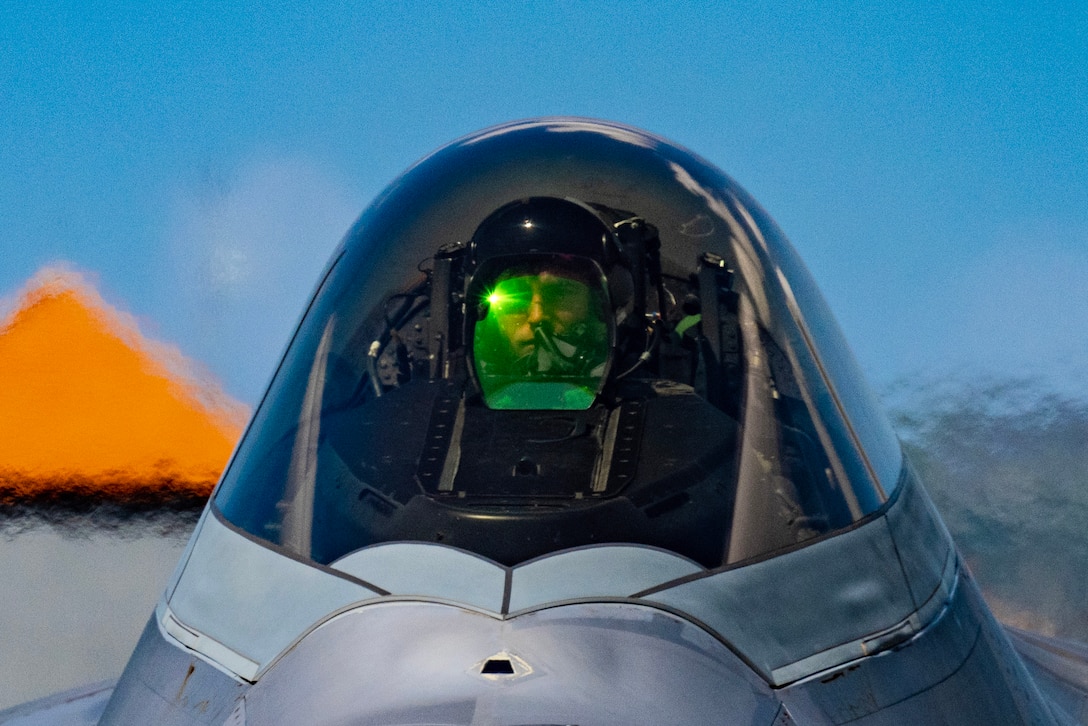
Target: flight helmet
(541,318)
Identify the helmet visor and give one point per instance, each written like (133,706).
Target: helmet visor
(543,334)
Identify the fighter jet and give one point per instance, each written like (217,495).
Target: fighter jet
(567,435)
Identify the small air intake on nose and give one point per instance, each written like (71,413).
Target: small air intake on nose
(497,667)
(501,666)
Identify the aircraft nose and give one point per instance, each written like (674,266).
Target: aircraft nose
(416,662)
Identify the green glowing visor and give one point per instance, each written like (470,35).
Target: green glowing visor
(543,332)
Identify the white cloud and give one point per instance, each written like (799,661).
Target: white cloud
(1017,309)
(1022,308)
(244,256)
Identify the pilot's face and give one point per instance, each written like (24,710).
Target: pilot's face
(559,305)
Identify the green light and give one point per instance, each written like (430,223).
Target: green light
(510,296)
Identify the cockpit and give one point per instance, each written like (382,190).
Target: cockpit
(568,341)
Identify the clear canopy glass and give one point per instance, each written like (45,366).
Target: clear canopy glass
(689,390)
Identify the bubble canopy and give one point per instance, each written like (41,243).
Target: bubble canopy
(700,399)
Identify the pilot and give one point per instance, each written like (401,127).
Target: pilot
(544,326)
(549,320)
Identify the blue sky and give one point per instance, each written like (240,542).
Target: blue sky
(200,161)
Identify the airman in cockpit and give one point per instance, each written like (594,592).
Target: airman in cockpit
(544,326)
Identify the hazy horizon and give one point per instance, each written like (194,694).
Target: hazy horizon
(1002,460)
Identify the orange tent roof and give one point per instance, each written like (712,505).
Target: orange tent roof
(86,402)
